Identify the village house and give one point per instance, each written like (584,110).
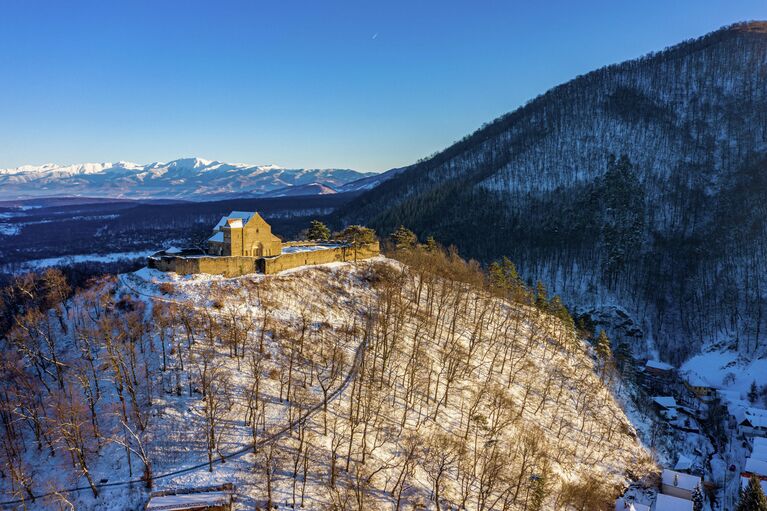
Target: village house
(670,503)
(666,406)
(242,242)
(683,464)
(678,484)
(700,387)
(209,498)
(759,450)
(753,422)
(756,464)
(658,369)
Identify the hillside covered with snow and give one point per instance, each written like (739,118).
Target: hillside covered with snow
(381,385)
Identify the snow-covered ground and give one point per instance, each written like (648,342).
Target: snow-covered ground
(292,249)
(728,371)
(493,384)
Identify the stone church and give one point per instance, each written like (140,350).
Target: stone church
(244,233)
(243,243)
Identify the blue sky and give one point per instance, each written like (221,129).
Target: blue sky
(353,84)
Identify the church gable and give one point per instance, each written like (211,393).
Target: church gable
(244,233)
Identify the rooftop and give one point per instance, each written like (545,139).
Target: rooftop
(176,502)
(665,401)
(656,364)
(680,479)
(669,503)
(684,463)
(755,466)
(626,505)
(244,216)
(759,451)
(757,417)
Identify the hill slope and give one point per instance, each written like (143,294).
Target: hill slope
(377,386)
(676,235)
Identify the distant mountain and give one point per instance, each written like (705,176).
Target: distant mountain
(188,178)
(667,248)
(370,182)
(359,185)
(301,190)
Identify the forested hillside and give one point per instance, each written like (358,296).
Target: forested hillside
(640,185)
(382,385)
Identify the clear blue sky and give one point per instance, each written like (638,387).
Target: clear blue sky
(355,84)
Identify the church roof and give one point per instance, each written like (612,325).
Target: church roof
(245,216)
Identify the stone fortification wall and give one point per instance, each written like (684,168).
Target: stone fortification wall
(283,262)
(228,266)
(234,266)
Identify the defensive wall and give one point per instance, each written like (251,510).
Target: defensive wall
(234,266)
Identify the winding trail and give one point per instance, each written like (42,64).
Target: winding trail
(307,414)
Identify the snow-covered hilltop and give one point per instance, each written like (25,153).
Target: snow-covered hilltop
(188,178)
(371,386)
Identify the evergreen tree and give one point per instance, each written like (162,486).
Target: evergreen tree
(541,488)
(403,238)
(624,359)
(697,499)
(357,236)
(496,276)
(541,297)
(558,309)
(752,498)
(505,278)
(539,493)
(604,351)
(753,393)
(318,231)
(431,244)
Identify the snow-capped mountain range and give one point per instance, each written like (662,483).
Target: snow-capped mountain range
(187,178)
